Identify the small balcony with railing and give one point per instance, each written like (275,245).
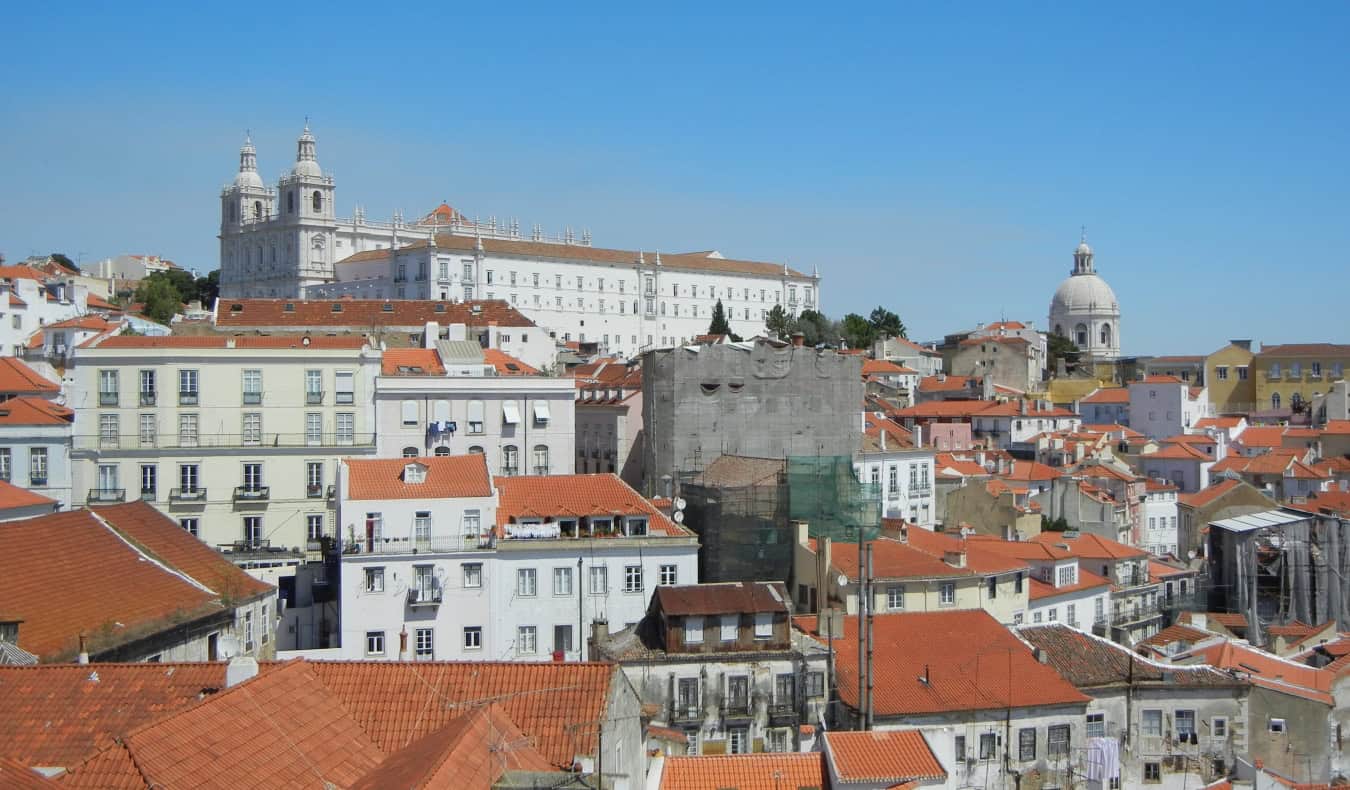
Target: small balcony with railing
(315,491)
(313,397)
(107,398)
(684,713)
(425,593)
(252,493)
(187,398)
(737,710)
(193,440)
(783,711)
(253,398)
(148,397)
(106,496)
(438,544)
(194,495)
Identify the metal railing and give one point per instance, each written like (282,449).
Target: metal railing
(433,545)
(429,595)
(187,495)
(187,398)
(314,491)
(252,398)
(107,399)
(313,398)
(148,398)
(104,495)
(231,440)
(252,493)
(685,713)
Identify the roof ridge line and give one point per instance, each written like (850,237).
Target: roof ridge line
(148,556)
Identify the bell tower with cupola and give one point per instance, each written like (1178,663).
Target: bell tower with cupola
(246,206)
(305,210)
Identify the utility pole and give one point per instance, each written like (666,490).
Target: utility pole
(870,684)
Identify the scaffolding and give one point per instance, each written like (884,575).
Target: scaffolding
(824,492)
(738,507)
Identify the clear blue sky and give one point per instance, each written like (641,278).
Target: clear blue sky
(935,158)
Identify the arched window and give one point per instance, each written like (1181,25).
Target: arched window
(257,209)
(442,451)
(476,450)
(290,202)
(1059,330)
(510,460)
(541,459)
(317,200)
(1080,336)
(1106,335)
(232,214)
(410,452)
(1275,400)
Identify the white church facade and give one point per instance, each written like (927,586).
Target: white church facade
(289,242)
(1084,309)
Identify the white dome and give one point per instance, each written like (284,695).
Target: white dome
(248,178)
(307,167)
(1084,294)
(1083,248)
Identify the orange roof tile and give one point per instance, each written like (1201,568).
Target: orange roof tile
(1218,422)
(1161,379)
(16,272)
(95,323)
(1261,436)
(315,342)
(1087,580)
(1303,349)
(1336,428)
(69,573)
(506,364)
(764,771)
(1332,502)
(446,476)
(1269,671)
(945,383)
(1091,546)
(577,495)
(364,313)
(1031,470)
(1108,395)
(944,409)
(886,757)
(411,362)
(17,776)
(1178,633)
(882,367)
(16,378)
(11,496)
(1161,570)
(948,465)
(99,303)
(1003,339)
(1176,452)
(893,560)
(938,544)
(994,669)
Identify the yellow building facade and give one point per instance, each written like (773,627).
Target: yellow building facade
(1231,383)
(1293,374)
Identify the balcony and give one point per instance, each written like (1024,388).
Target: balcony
(314,491)
(103,496)
(187,398)
(433,545)
(737,710)
(331,493)
(252,398)
(540,470)
(252,493)
(187,495)
(148,398)
(148,494)
(37,482)
(685,714)
(425,595)
(313,398)
(921,489)
(236,440)
(510,471)
(107,399)
(782,714)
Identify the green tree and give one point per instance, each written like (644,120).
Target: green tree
(886,323)
(1060,347)
(1054,525)
(208,288)
(719,325)
(816,327)
(857,331)
(160,297)
(778,322)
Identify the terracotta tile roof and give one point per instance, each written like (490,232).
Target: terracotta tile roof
(1022,549)
(17,776)
(1031,470)
(1091,546)
(764,771)
(1024,409)
(1191,438)
(944,409)
(446,476)
(882,367)
(110,769)
(364,313)
(1331,502)
(893,560)
(666,733)
(396,703)
(162,538)
(69,573)
(470,753)
(1218,422)
(1233,621)
(96,323)
(977,559)
(97,302)
(1006,340)
(1154,484)
(1304,349)
(1089,661)
(1108,395)
(1176,452)
(945,383)
(1162,380)
(993,670)
(576,495)
(1158,570)
(411,362)
(316,342)
(723,598)
(16,378)
(1261,436)
(882,757)
(1178,632)
(691,261)
(11,496)
(1087,580)
(1336,428)
(1206,495)
(1188,359)
(17,272)
(28,410)
(57,715)
(15,301)
(948,465)
(1296,629)
(1100,471)
(506,364)
(1268,671)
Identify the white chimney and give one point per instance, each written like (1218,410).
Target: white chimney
(239,669)
(430,333)
(83,657)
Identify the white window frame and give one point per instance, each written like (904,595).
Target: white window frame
(693,630)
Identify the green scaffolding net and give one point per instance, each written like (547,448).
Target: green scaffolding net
(824,492)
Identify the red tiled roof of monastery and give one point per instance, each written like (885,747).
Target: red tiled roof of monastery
(364,313)
(1091,546)
(307,342)
(445,476)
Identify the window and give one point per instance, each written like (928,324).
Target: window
(1152,772)
(1067,576)
(252,431)
(109,430)
(252,477)
(313,479)
(188,478)
(632,578)
(374,643)
(510,460)
(562,581)
(313,387)
(346,428)
(5,458)
(959,742)
(693,630)
(475,416)
(473,575)
(526,580)
(1057,740)
(1052,615)
(986,746)
(253,531)
(1096,725)
(473,637)
(669,575)
(37,466)
(374,580)
(1185,721)
(599,580)
(1026,744)
(1218,726)
(562,638)
(1071,614)
(1017,583)
(895,597)
(344,387)
(527,640)
(764,625)
(1277,726)
(149,430)
(422,527)
(149,480)
(815,685)
(785,690)
(424,644)
(1151,723)
(187,430)
(541,459)
(731,627)
(252,387)
(107,480)
(992,584)
(314,526)
(107,388)
(947,594)
(1221,372)
(736,740)
(147,387)
(1316,370)
(778,740)
(409,412)
(1242,372)
(189,525)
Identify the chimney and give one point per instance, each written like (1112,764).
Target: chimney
(798,339)
(403,644)
(430,333)
(239,669)
(599,632)
(801,530)
(1040,655)
(83,657)
(883,439)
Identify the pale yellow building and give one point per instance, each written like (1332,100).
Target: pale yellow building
(1228,371)
(1292,375)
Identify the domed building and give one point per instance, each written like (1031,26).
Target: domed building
(1084,309)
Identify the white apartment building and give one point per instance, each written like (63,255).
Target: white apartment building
(609,420)
(472,567)
(903,474)
(30,300)
(1016,422)
(236,438)
(1160,518)
(1163,406)
(35,444)
(459,398)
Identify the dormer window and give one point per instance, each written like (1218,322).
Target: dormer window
(414,473)
(637,526)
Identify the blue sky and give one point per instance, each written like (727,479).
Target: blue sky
(938,159)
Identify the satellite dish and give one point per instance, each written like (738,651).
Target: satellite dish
(678,518)
(680,503)
(842,581)
(229,647)
(1190,554)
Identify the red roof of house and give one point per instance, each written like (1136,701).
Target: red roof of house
(1218,422)
(309,342)
(1208,494)
(958,467)
(1087,580)
(892,559)
(411,362)
(11,496)
(17,776)
(446,476)
(1269,671)
(882,757)
(991,670)
(95,323)
(1157,571)
(882,367)
(1006,339)
(1261,436)
(763,771)
(945,383)
(712,598)
(364,313)
(1024,409)
(577,496)
(1031,470)
(16,272)
(1091,546)
(70,573)
(1176,452)
(506,364)
(944,409)
(16,378)
(97,302)
(1336,428)
(1161,379)
(28,410)
(1178,633)
(977,559)
(1333,502)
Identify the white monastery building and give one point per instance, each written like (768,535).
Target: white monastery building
(288,242)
